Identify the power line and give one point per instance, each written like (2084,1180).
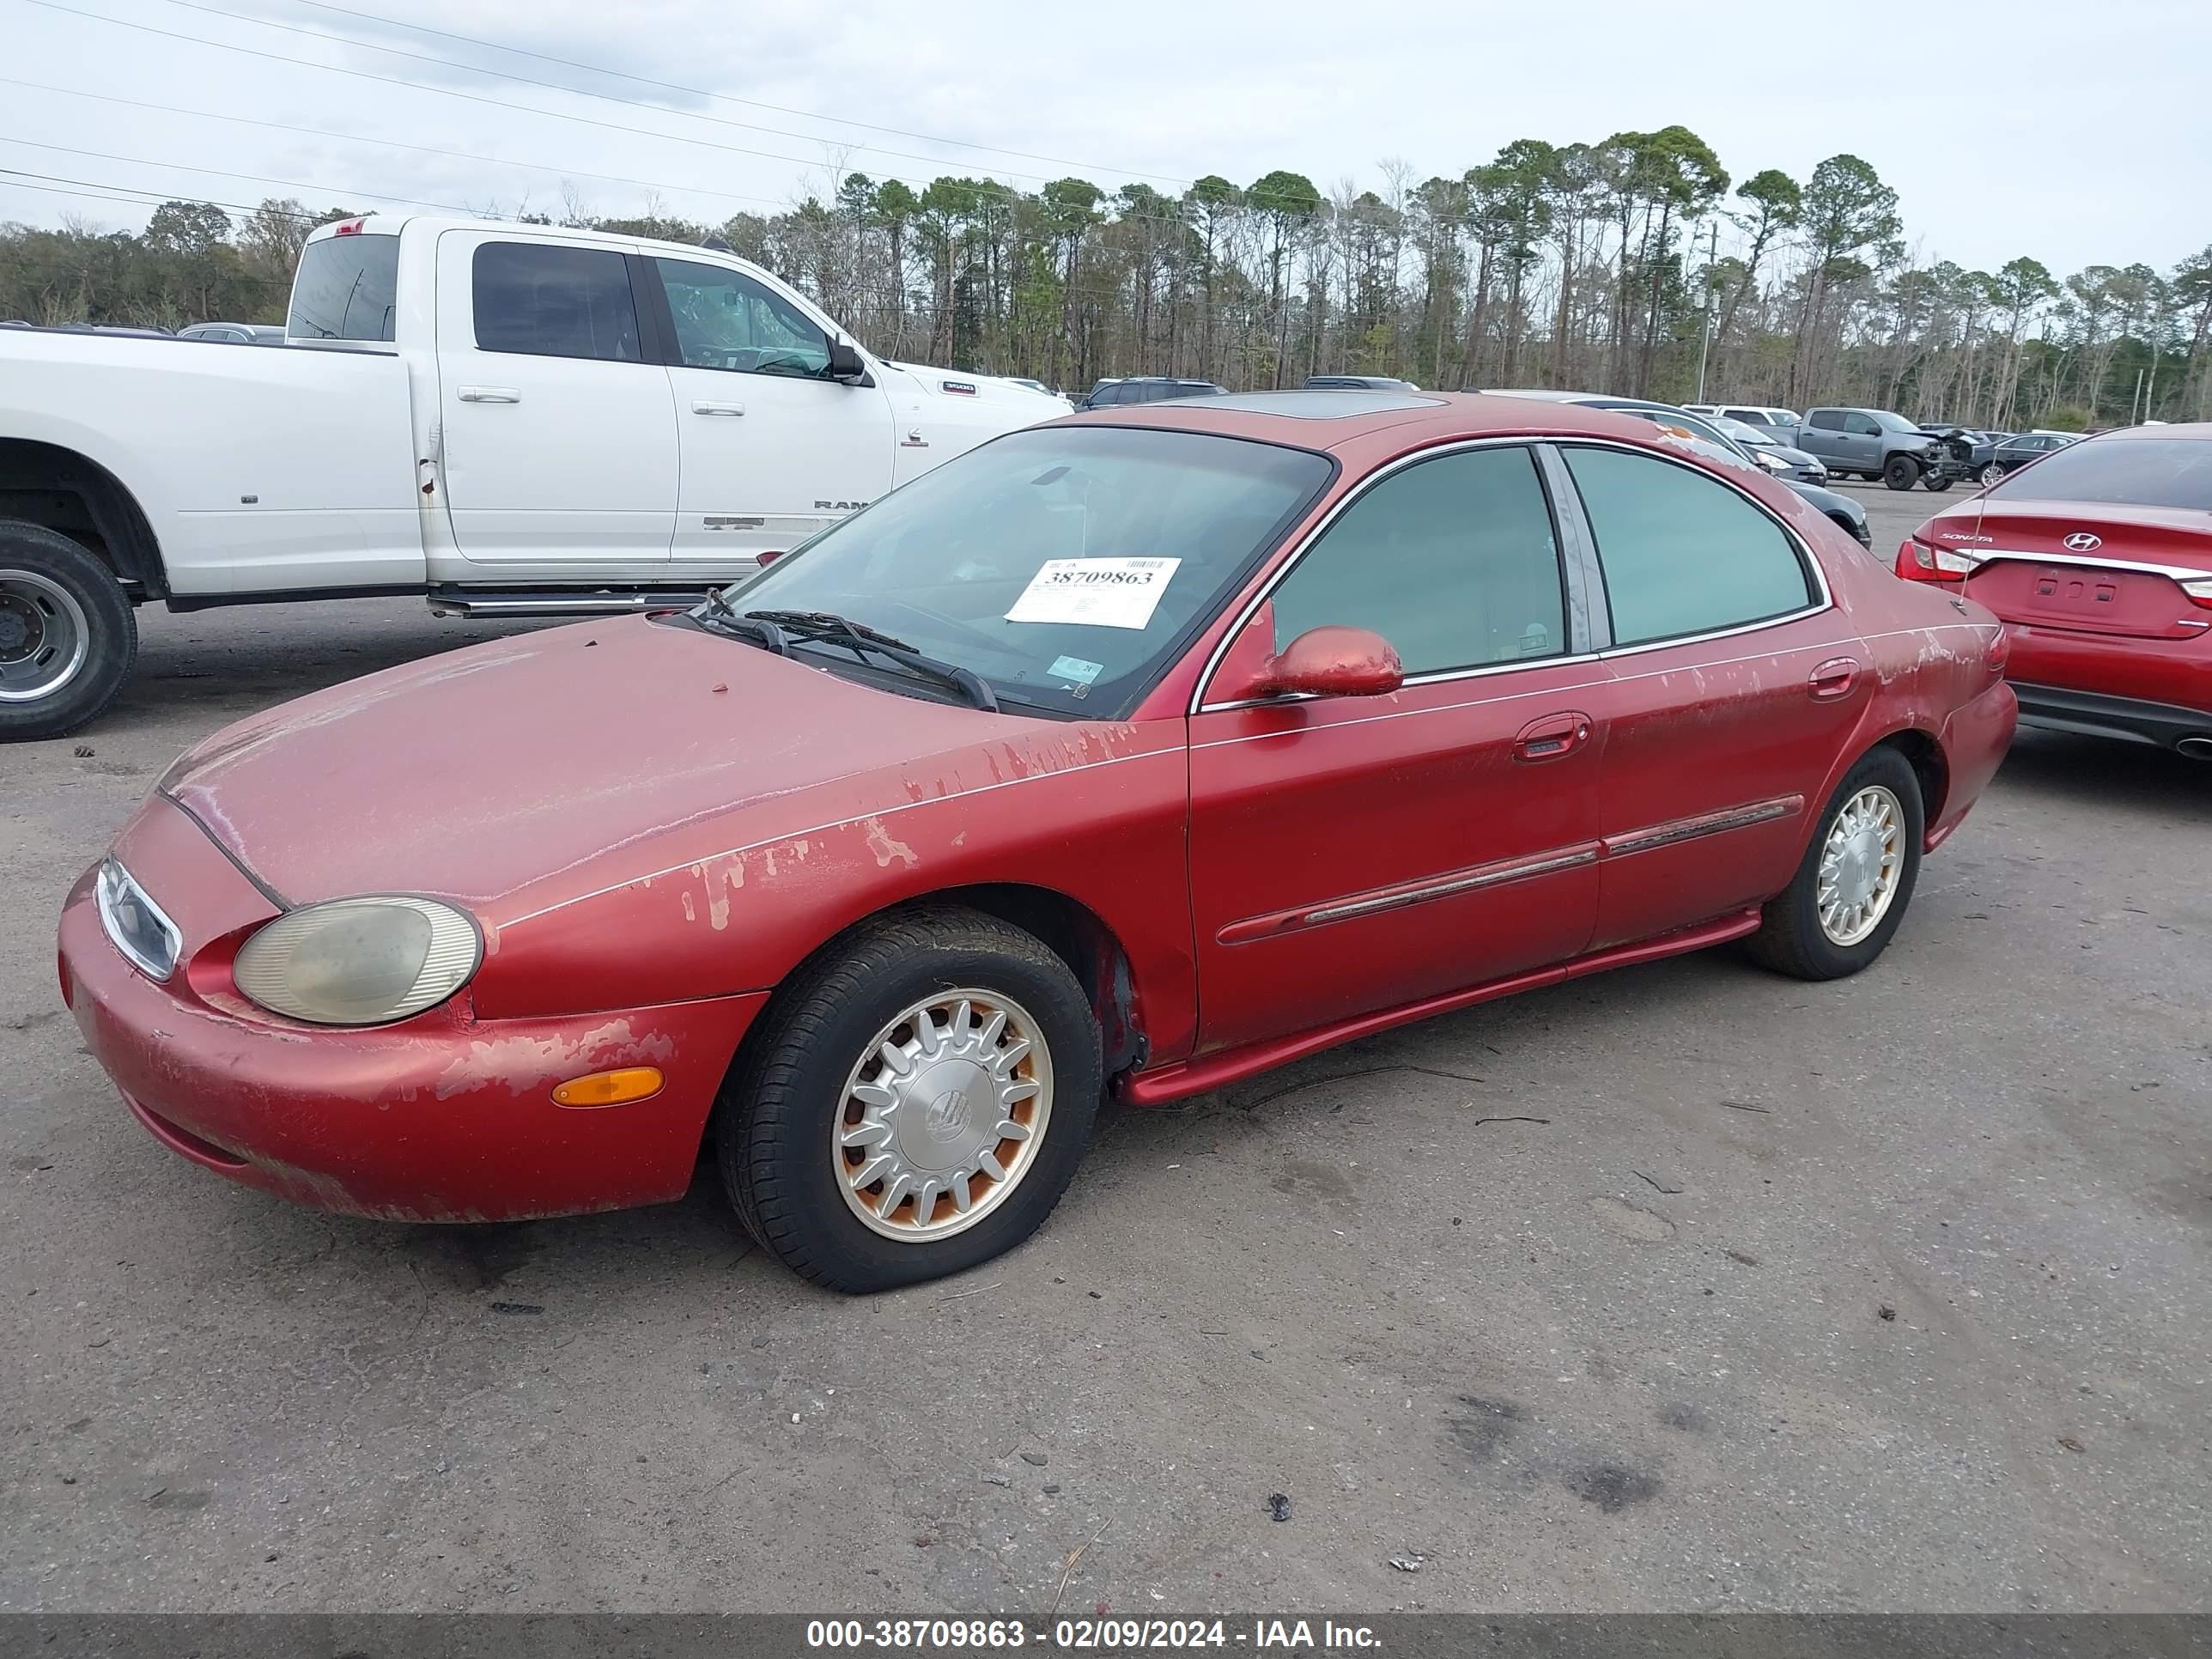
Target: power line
(555,86)
(992,188)
(330,191)
(441,150)
(91,189)
(751,103)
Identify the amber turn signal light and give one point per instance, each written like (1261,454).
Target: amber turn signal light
(616,1088)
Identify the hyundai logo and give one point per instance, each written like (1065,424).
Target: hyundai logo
(2083,541)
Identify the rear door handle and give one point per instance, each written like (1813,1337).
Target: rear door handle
(1551,737)
(705,407)
(490,394)
(1833,678)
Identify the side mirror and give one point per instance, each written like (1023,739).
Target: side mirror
(1329,661)
(846,362)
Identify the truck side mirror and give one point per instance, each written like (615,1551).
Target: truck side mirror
(846,362)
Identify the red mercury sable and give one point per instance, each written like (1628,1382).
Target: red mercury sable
(2099,558)
(1139,751)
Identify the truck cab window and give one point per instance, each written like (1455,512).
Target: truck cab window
(547,301)
(345,289)
(723,319)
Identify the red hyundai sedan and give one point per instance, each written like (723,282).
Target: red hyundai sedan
(1138,752)
(2099,558)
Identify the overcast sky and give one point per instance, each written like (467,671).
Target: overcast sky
(2079,134)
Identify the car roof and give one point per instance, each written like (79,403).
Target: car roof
(1362,425)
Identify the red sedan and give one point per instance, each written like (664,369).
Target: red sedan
(1137,752)
(2099,558)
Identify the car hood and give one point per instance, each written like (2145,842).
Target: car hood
(558,763)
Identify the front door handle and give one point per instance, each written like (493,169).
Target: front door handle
(1833,678)
(705,408)
(1551,737)
(490,394)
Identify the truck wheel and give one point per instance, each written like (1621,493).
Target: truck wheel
(67,635)
(1900,472)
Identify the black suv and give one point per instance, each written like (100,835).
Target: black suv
(1146,389)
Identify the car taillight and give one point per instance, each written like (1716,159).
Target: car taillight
(350,227)
(1924,562)
(2199,589)
(769,558)
(2000,656)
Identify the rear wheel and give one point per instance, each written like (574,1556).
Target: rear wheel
(68,638)
(1850,894)
(915,1104)
(1992,473)
(1900,472)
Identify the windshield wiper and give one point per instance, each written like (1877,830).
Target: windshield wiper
(826,628)
(719,616)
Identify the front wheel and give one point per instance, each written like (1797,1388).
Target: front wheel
(1850,894)
(1900,472)
(67,635)
(915,1102)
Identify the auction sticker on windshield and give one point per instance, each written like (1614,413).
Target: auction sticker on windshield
(1104,592)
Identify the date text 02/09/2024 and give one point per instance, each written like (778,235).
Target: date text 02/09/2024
(1085,1635)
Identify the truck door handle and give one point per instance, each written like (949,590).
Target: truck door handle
(1833,678)
(490,394)
(1552,737)
(705,407)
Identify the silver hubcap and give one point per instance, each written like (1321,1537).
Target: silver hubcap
(43,636)
(943,1114)
(1860,863)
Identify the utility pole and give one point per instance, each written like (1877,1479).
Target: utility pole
(1705,342)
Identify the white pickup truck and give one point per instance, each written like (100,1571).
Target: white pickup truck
(511,420)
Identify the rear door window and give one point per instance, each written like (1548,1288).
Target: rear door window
(1683,554)
(1827,420)
(346,288)
(543,300)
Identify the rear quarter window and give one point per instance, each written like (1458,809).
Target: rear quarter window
(346,289)
(1682,554)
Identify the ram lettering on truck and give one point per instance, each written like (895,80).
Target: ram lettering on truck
(508,419)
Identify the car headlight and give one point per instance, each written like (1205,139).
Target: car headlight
(359,961)
(1771,461)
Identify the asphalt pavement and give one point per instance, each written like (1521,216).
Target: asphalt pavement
(1684,1287)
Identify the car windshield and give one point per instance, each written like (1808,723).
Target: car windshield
(2135,472)
(1893,423)
(1742,431)
(1065,566)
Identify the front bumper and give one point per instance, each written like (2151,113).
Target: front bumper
(444,1117)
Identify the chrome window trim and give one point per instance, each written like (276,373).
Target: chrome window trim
(1522,441)
(1561,442)
(114,932)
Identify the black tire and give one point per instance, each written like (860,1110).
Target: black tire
(1900,472)
(1937,483)
(35,563)
(774,1119)
(1790,938)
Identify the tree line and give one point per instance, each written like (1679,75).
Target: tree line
(1626,265)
